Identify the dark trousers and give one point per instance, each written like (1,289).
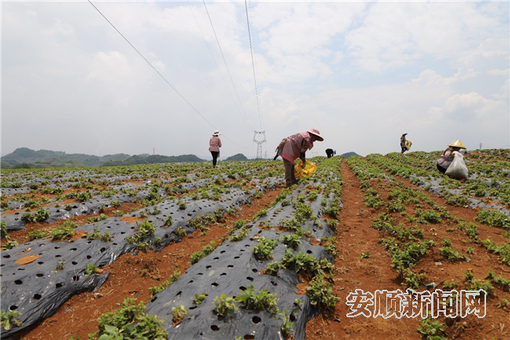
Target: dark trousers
(290,179)
(215,155)
(441,169)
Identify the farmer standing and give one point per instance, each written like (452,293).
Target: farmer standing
(214,146)
(294,147)
(403,143)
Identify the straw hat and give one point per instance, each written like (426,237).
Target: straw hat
(457,144)
(316,133)
(216,133)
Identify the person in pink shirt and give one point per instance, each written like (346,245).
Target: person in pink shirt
(294,147)
(214,147)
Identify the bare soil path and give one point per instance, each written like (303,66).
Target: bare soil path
(354,238)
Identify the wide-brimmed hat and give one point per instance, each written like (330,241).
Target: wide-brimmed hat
(457,144)
(316,133)
(216,133)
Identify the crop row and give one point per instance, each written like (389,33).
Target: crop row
(412,228)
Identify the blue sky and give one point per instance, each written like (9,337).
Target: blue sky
(362,73)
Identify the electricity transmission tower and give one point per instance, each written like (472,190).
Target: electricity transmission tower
(259,142)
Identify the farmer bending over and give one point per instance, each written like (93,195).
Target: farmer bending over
(294,147)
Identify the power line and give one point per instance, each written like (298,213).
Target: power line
(253,63)
(141,55)
(166,81)
(224,60)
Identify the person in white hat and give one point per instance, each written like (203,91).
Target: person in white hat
(294,147)
(447,157)
(214,147)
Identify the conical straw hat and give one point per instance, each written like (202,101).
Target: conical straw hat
(457,144)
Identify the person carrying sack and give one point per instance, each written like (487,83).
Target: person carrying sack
(451,154)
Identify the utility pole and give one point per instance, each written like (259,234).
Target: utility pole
(259,142)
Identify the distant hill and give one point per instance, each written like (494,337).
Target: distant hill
(153,159)
(45,159)
(237,157)
(28,158)
(349,154)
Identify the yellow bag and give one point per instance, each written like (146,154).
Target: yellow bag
(308,171)
(408,144)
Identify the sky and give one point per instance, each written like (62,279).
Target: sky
(160,77)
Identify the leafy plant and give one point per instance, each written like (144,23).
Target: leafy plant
(165,284)
(179,313)
(90,269)
(504,304)
(261,300)
(199,298)
(146,228)
(60,265)
(240,235)
(94,235)
(449,285)
(182,205)
(224,306)
(130,321)
(168,221)
(432,330)
(321,293)
(198,255)
(364,256)
(493,218)
(62,232)
(10,317)
(291,240)
(39,216)
(264,249)
(458,201)
(329,245)
(179,231)
(411,279)
(287,324)
(10,244)
(4,233)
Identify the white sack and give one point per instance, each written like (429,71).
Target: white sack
(457,168)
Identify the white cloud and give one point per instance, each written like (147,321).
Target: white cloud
(362,73)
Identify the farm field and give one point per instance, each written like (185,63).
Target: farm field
(361,250)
